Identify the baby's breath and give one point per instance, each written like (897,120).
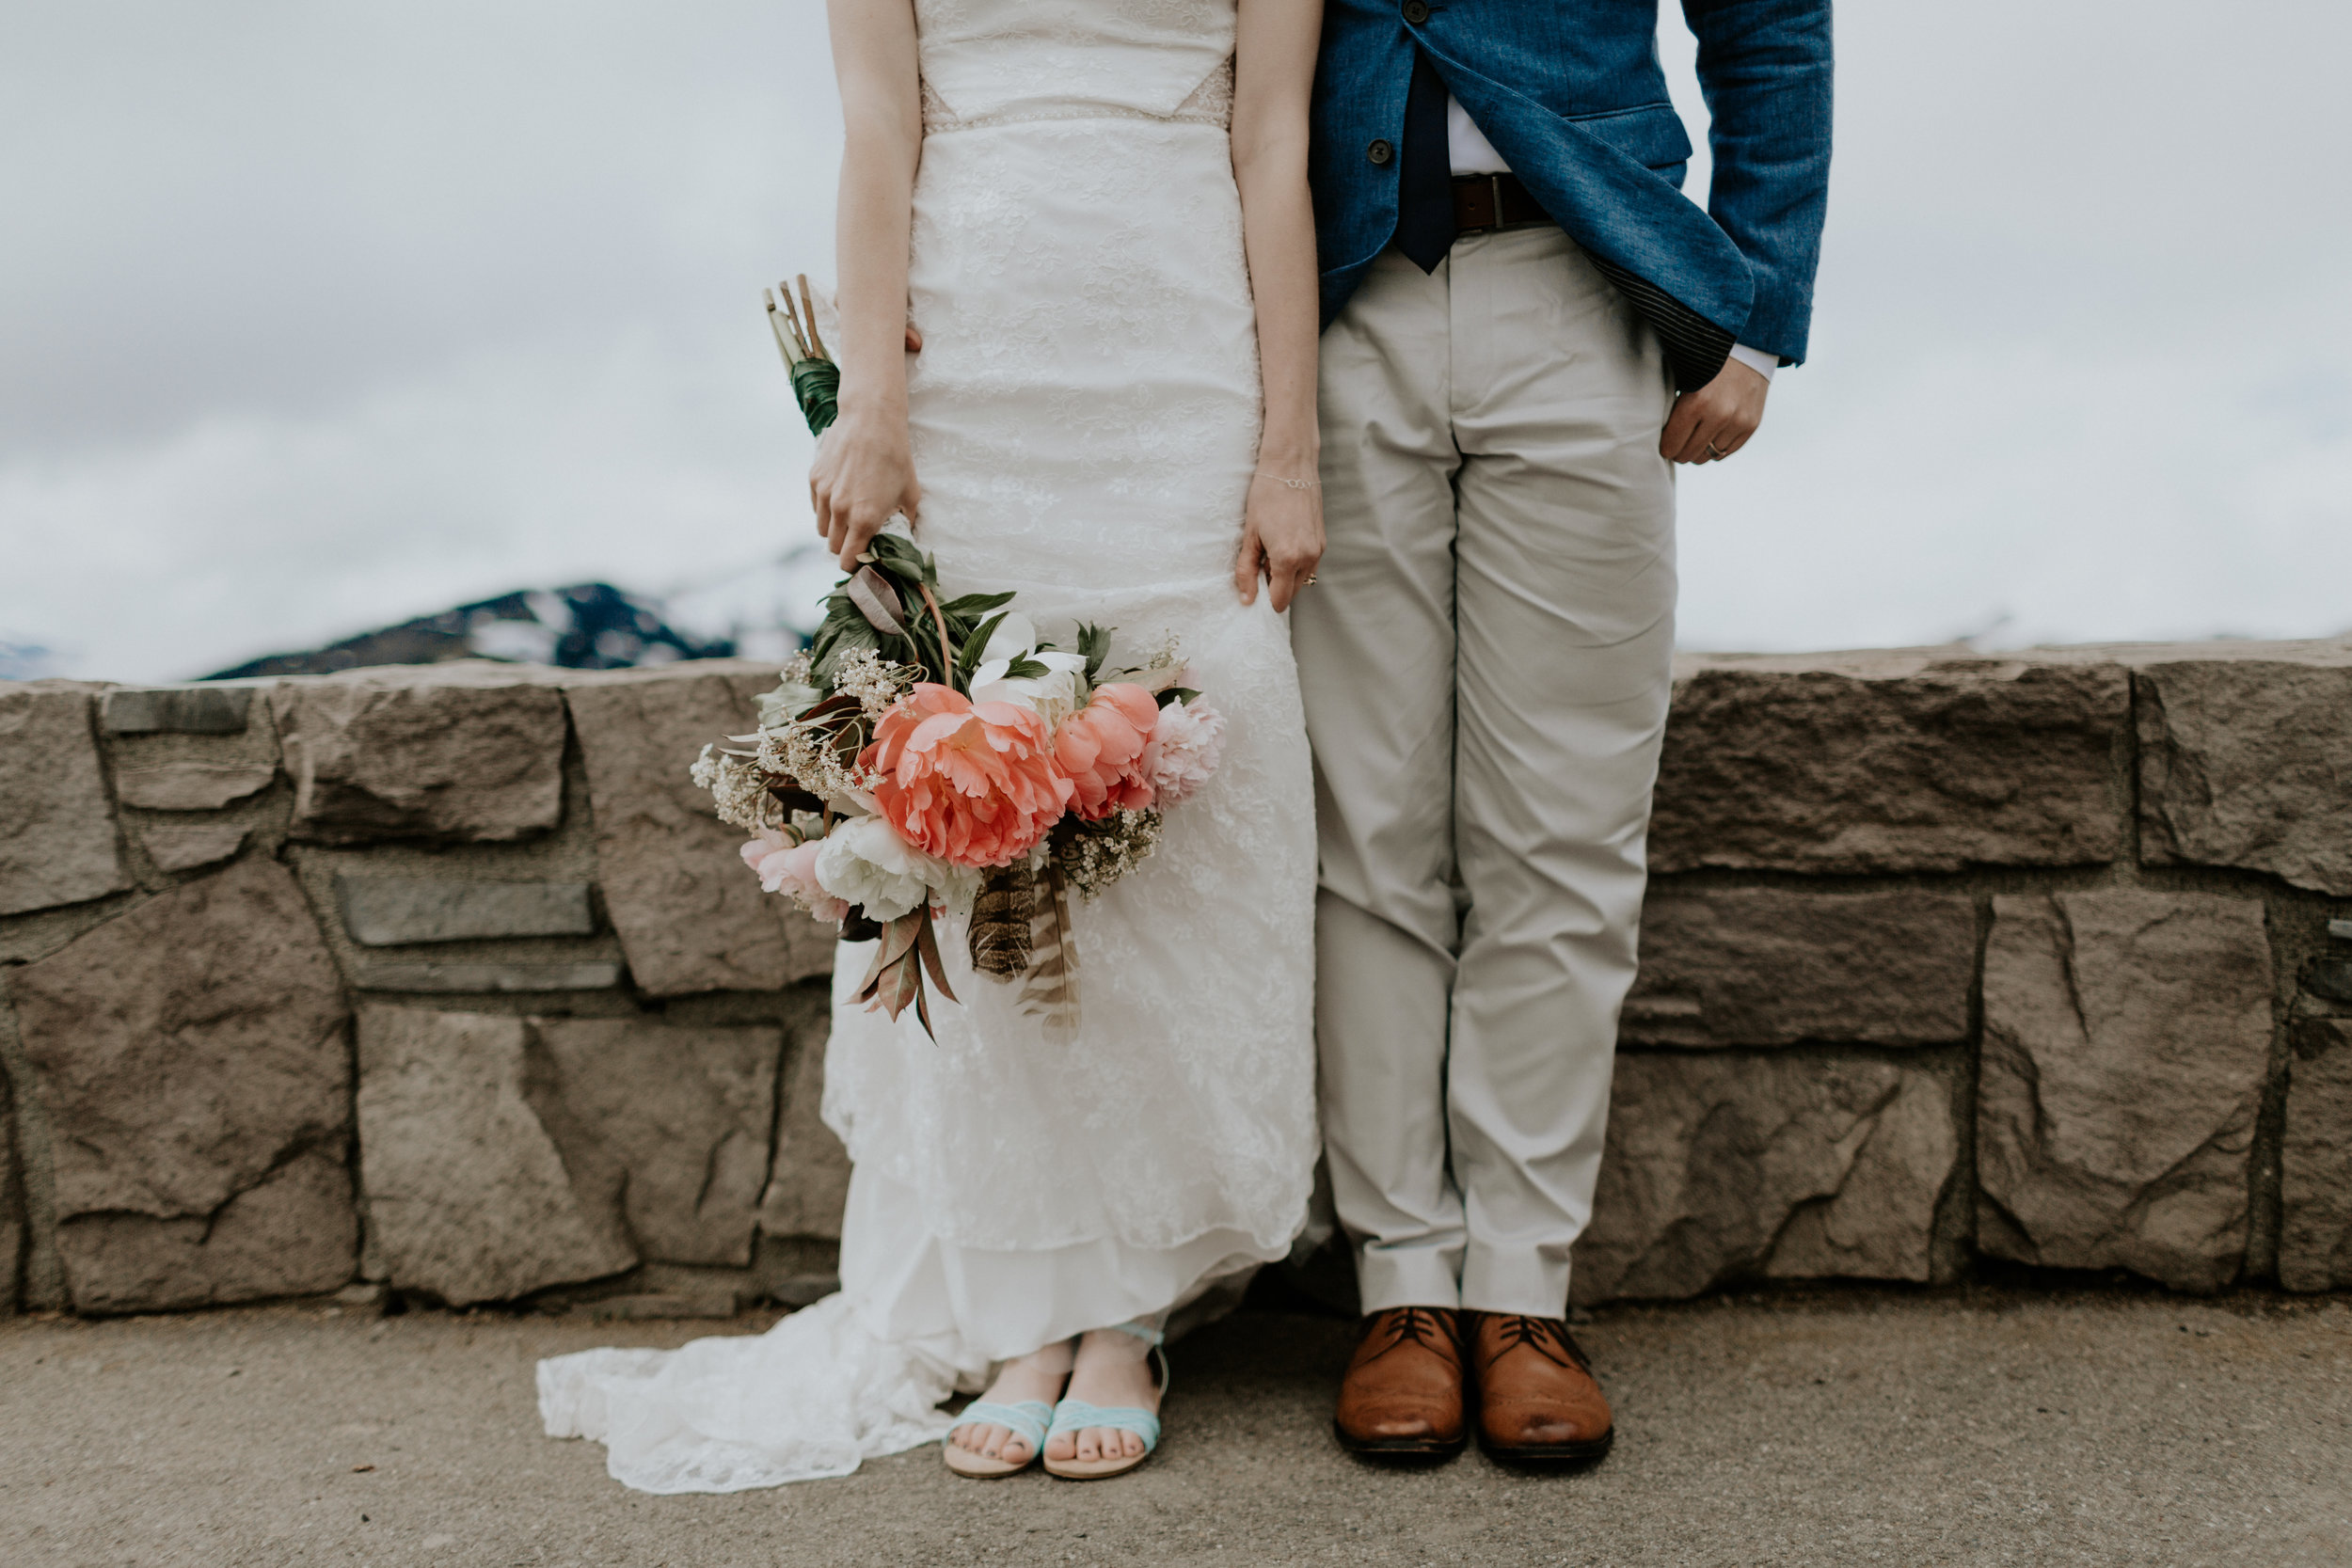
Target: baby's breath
(739,788)
(1097,854)
(873,680)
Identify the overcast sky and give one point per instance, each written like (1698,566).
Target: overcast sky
(316,316)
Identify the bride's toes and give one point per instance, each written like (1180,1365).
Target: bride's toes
(1061,1446)
(1089,1444)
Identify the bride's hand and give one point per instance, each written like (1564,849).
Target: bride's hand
(1282,536)
(863,473)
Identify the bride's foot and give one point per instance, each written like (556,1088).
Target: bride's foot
(1112,1371)
(1035,1378)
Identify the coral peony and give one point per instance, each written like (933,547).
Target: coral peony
(1183,752)
(1101,747)
(973,783)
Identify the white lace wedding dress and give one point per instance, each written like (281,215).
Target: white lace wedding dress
(1084,414)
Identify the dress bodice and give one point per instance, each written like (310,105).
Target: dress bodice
(1002,60)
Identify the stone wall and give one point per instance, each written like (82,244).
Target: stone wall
(444,978)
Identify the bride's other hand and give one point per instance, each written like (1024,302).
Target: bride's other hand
(1274,74)
(864,470)
(863,473)
(1282,536)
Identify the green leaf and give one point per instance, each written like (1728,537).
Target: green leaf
(1095,643)
(971,605)
(1026,670)
(974,645)
(1175,692)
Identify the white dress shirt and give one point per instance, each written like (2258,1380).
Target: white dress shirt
(1470,152)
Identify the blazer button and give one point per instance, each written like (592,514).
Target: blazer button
(1415,12)
(1379,152)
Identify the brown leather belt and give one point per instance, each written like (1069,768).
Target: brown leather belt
(1485,202)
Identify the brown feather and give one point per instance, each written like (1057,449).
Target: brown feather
(1051,994)
(1001,917)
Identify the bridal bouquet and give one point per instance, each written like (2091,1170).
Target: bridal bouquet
(927,757)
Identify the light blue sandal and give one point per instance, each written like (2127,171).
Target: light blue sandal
(1026,1421)
(1074,1416)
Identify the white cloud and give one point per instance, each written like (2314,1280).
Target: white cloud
(318,318)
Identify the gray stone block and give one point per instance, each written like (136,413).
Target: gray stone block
(1764,966)
(11,1206)
(383,911)
(1721,1167)
(57,826)
(466,1194)
(2316,1233)
(191,785)
(1888,762)
(690,915)
(186,846)
(294,1233)
(809,1184)
(2339,930)
(2328,977)
(458,752)
(178,709)
(2127,1047)
(463,976)
(189,1054)
(2242,763)
(666,1127)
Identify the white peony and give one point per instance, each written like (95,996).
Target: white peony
(1185,748)
(866,863)
(1015,635)
(1053,696)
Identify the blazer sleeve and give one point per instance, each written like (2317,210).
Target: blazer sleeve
(1764,67)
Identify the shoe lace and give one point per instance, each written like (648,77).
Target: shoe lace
(1425,1326)
(1546,1336)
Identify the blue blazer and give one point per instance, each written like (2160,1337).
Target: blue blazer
(1571,92)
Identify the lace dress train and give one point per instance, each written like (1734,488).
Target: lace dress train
(1084,415)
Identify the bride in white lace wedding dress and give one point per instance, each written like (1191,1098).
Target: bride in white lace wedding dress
(1074,226)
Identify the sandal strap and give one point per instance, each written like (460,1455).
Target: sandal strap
(1076,1416)
(1028,1419)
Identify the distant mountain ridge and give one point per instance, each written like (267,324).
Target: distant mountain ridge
(589,625)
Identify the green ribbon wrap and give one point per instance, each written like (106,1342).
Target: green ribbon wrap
(818,383)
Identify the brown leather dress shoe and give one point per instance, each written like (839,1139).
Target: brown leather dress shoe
(1538,1401)
(1402,1394)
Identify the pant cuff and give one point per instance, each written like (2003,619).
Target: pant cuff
(1531,1284)
(1412,1277)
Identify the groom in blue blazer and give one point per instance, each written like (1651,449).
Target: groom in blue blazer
(1527,324)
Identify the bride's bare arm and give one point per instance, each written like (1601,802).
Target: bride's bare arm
(1273,72)
(863,471)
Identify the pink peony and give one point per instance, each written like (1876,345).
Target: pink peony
(1184,750)
(784,866)
(1101,747)
(974,785)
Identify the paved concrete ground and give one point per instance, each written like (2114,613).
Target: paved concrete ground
(1985,1428)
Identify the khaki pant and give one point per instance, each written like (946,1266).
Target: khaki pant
(1485,662)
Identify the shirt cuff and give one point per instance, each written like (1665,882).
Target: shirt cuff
(1757,359)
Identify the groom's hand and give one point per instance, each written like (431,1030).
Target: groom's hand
(1717,419)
